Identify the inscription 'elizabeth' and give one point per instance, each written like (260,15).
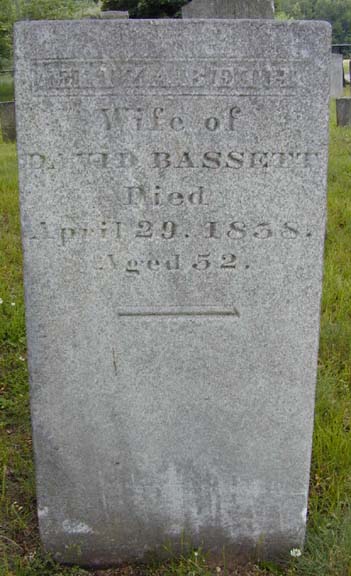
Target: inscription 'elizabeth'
(110,76)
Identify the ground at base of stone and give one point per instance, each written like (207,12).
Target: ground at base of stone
(248,570)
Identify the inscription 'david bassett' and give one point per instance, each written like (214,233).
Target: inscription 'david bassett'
(210,160)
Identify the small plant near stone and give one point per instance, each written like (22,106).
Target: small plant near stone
(193,565)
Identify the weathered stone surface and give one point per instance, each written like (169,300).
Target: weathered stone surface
(229,9)
(8,121)
(343,111)
(173,212)
(336,76)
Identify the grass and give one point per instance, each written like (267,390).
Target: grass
(328,546)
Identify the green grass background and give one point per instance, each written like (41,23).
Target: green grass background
(328,546)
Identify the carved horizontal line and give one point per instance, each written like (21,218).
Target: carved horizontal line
(178,312)
(154,59)
(97,93)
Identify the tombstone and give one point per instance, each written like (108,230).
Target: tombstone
(8,121)
(343,111)
(336,76)
(347,73)
(113,14)
(229,9)
(173,219)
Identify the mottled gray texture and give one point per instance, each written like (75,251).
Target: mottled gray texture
(229,9)
(108,14)
(173,213)
(8,121)
(343,111)
(336,76)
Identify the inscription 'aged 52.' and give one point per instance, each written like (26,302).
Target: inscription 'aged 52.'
(201,263)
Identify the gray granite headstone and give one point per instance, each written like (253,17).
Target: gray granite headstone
(229,9)
(173,214)
(343,111)
(336,76)
(8,121)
